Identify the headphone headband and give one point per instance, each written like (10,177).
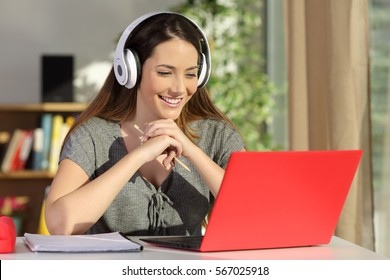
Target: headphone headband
(127,66)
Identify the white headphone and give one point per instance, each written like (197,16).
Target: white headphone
(127,66)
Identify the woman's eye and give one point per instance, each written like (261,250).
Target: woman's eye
(163,73)
(192,75)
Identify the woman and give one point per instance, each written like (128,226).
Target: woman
(114,177)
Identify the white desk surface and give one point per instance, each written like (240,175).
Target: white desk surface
(337,249)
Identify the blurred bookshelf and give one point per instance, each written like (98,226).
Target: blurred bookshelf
(29,181)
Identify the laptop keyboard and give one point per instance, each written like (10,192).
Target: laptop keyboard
(180,241)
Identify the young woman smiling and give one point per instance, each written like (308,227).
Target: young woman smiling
(112,177)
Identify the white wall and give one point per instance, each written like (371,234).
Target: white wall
(85,28)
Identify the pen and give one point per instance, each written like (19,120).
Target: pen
(141,247)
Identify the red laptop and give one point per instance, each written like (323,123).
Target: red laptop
(275,200)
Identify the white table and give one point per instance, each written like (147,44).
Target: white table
(337,249)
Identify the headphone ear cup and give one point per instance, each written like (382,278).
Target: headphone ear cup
(203,68)
(133,67)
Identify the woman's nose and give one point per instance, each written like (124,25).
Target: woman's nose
(178,85)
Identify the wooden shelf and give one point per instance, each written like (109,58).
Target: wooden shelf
(44,107)
(27,174)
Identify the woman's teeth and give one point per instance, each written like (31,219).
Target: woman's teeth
(173,101)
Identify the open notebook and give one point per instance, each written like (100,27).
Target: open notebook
(102,242)
(274,200)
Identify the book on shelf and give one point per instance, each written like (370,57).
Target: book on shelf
(55,145)
(69,120)
(16,155)
(37,149)
(5,136)
(20,159)
(12,150)
(46,124)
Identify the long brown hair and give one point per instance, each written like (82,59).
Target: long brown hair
(117,103)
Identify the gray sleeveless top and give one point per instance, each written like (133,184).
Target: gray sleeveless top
(182,201)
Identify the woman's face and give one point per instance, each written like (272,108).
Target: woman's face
(169,79)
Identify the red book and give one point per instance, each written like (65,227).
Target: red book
(11,150)
(16,155)
(25,150)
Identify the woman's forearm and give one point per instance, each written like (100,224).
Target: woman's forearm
(72,208)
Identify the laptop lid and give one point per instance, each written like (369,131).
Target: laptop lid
(280,199)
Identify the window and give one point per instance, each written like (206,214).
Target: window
(379,17)
(276,71)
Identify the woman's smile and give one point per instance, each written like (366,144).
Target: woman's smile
(170,101)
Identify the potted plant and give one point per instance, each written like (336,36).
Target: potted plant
(15,207)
